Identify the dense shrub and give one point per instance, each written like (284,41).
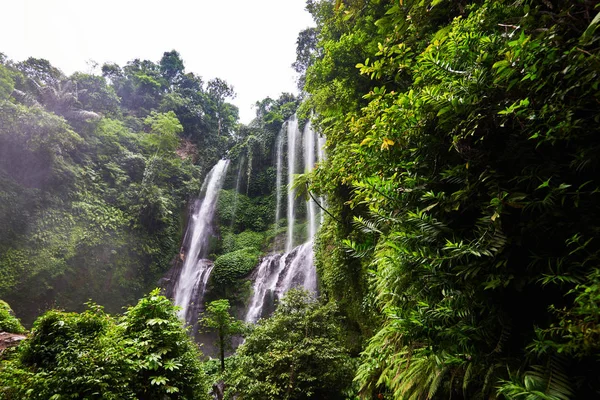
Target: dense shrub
(166,362)
(145,354)
(298,353)
(461,171)
(235,265)
(8,322)
(243,240)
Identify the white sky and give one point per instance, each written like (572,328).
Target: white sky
(251,44)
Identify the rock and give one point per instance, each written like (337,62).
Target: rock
(10,340)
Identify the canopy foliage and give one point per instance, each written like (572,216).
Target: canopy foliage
(462,149)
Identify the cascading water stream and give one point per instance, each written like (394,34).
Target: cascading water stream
(279,177)
(309,164)
(265,282)
(293,149)
(278,273)
(195,272)
(236,194)
(321,158)
(299,270)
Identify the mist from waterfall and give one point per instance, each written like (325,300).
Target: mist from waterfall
(191,284)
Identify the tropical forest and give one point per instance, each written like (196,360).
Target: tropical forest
(420,220)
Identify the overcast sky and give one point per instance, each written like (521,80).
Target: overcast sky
(250,44)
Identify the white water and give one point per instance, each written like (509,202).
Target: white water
(238,183)
(195,272)
(267,275)
(293,149)
(320,159)
(300,270)
(278,273)
(309,164)
(279,177)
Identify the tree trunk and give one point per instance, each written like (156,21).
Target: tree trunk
(222,350)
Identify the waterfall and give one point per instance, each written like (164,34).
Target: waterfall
(265,283)
(321,158)
(299,271)
(190,287)
(278,183)
(309,164)
(278,273)
(238,184)
(292,131)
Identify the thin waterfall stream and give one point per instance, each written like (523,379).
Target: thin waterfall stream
(309,164)
(293,150)
(191,283)
(279,176)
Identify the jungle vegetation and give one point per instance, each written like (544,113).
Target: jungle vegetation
(458,259)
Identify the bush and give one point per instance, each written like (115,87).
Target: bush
(8,322)
(145,354)
(71,355)
(298,353)
(166,361)
(246,239)
(235,265)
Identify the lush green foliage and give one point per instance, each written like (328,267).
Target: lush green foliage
(95,172)
(8,322)
(462,143)
(243,240)
(298,353)
(217,316)
(167,362)
(237,264)
(144,354)
(241,212)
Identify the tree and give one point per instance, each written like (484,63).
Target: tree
(62,98)
(145,354)
(217,317)
(69,355)
(94,94)
(306,46)
(6,83)
(469,208)
(167,361)
(219,90)
(171,67)
(298,353)
(164,131)
(40,71)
